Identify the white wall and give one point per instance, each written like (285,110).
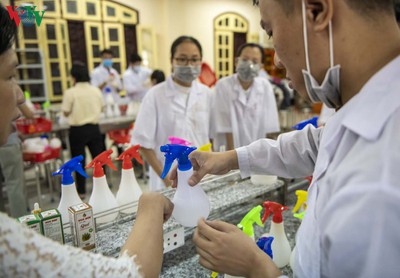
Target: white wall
(172,18)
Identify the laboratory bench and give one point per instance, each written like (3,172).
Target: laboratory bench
(231,197)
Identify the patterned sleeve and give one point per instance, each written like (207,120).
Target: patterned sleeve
(25,253)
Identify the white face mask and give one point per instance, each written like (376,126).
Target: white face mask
(247,71)
(136,68)
(329,91)
(186,74)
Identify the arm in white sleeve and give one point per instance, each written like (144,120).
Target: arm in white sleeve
(222,112)
(292,155)
(131,85)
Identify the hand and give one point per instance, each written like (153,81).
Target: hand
(208,163)
(167,181)
(224,248)
(150,201)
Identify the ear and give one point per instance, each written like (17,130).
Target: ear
(319,13)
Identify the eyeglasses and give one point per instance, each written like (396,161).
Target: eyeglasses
(186,61)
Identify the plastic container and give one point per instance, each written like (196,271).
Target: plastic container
(190,203)
(263,179)
(49,153)
(31,126)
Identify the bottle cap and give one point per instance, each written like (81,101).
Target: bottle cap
(179,152)
(98,162)
(302,124)
(275,209)
(128,155)
(253,216)
(179,141)
(68,168)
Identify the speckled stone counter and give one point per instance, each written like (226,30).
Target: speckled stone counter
(231,198)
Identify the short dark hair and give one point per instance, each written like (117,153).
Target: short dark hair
(8,30)
(106,51)
(135,58)
(158,75)
(183,39)
(80,72)
(243,46)
(397,10)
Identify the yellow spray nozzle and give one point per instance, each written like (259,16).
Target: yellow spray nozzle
(205,148)
(214,274)
(253,216)
(301,199)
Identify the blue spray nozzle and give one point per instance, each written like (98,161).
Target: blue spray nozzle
(68,168)
(179,152)
(265,244)
(301,125)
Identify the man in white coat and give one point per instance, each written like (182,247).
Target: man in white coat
(105,77)
(245,106)
(351,227)
(136,79)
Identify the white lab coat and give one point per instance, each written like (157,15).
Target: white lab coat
(164,112)
(248,118)
(101,74)
(135,82)
(351,227)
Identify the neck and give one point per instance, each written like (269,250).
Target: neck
(369,46)
(183,84)
(245,84)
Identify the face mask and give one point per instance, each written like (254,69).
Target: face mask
(247,71)
(136,69)
(186,74)
(329,91)
(107,63)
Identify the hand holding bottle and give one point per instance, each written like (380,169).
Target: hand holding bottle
(149,200)
(225,248)
(208,163)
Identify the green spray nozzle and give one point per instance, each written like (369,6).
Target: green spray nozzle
(179,152)
(301,199)
(98,162)
(253,216)
(27,95)
(128,155)
(46,105)
(68,168)
(275,209)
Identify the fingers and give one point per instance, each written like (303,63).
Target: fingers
(174,177)
(221,226)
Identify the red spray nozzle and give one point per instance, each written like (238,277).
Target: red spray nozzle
(128,155)
(276,209)
(98,162)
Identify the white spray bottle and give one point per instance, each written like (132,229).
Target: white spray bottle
(129,190)
(102,199)
(190,203)
(280,246)
(69,195)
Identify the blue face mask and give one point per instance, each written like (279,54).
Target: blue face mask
(107,63)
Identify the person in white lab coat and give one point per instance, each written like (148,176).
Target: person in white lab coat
(245,106)
(351,226)
(136,79)
(106,77)
(179,106)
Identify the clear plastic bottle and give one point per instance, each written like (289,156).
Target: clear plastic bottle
(129,190)
(190,202)
(102,199)
(69,195)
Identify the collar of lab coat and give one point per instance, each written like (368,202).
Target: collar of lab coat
(255,89)
(365,114)
(174,94)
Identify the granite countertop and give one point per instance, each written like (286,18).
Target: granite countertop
(231,198)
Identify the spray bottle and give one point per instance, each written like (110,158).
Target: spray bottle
(246,225)
(109,102)
(69,195)
(129,190)
(280,246)
(190,203)
(302,206)
(102,198)
(179,141)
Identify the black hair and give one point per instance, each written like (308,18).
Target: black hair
(80,72)
(8,30)
(158,75)
(243,46)
(106,51)
(135,58)
(397,10)
(183,39)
